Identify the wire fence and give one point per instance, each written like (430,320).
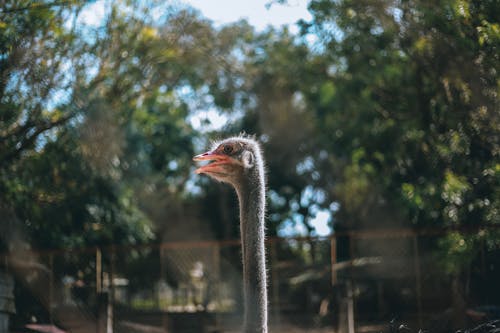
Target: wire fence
(348,282)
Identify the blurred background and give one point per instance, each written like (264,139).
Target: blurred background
(380,123)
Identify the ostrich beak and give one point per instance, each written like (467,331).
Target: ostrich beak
(214,167)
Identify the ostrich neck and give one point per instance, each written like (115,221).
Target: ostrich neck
(252,207)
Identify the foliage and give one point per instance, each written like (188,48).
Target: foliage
(385,113)
(409,109)
(91,148)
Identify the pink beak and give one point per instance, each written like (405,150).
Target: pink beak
(218,159)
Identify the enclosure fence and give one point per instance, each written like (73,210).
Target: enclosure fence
(347,282)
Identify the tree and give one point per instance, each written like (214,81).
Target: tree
(401,74)
(35,52)
(409,111)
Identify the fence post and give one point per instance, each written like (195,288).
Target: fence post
(350,294)
(333,258)
(7,307)
(164,310)
(350,307)
(216,260)
(483,255)
(275,283)
(102,312)
(98,271)
(418,282)
(111,299)
(214,282)
(51,286)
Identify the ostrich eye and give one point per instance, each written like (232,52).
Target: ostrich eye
(227,149)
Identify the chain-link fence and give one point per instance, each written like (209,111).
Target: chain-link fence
(349,282)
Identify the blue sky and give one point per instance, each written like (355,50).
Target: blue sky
(259,13)
(254,11)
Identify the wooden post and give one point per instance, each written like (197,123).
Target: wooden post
(351,246)
(101,295)
(158,297)
(333,259)
(214,284)
(98,271)
(51,286)
(418,282)
(350,293)
(275,284)
(102,312)
(164,311)
(111,299)
(350,307)
(483,256)
(333,274)
(7,307)
(216,261)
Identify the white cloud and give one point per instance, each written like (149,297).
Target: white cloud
(227,11)
(93,14)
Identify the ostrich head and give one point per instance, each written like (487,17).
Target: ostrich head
(233,160)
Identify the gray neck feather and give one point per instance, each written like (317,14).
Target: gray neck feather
(251,195)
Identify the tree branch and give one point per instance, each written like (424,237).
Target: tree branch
(27,141)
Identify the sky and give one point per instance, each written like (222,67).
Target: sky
(259,13)
(254,11)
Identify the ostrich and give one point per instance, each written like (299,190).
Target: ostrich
(238,161)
